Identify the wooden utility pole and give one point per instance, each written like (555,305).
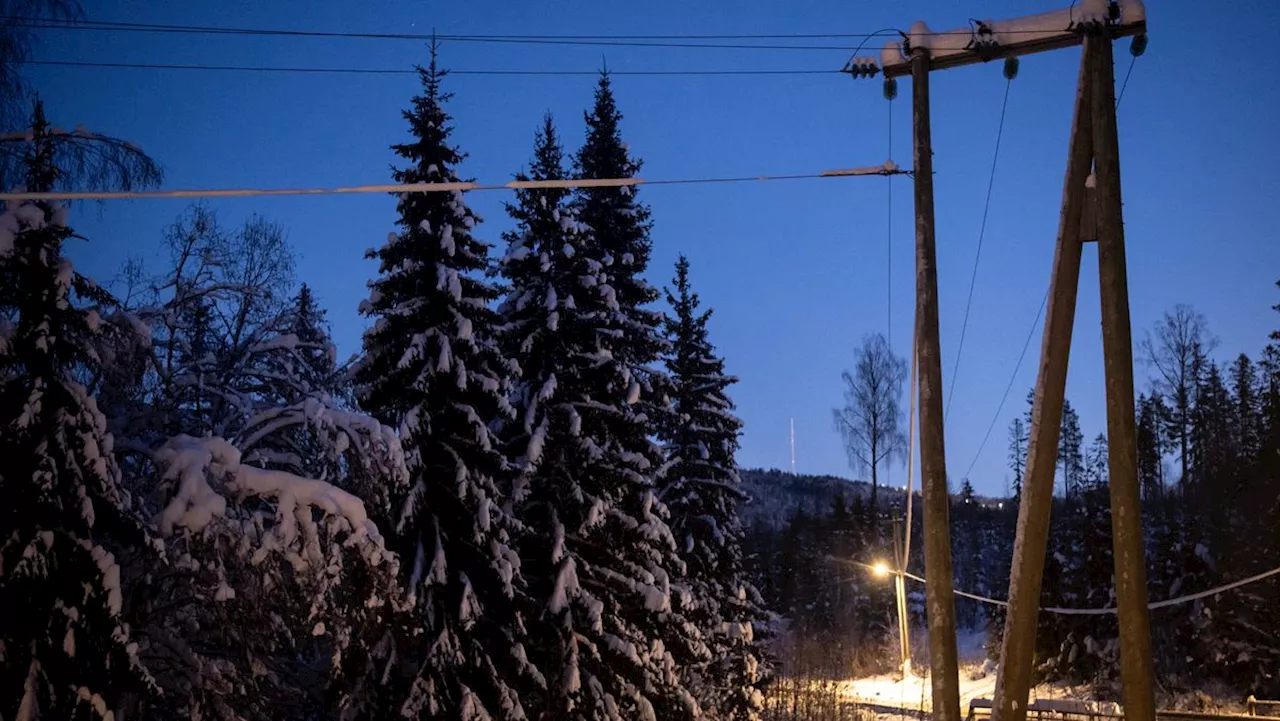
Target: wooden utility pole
(900,597)
(1136,668)
(1093,141)
(940,602)
(1017,649)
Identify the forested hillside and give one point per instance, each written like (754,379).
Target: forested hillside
(1209,465)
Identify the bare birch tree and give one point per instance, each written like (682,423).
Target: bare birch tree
(871,420)
(1171,348)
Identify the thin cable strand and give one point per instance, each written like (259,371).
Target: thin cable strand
(977,257)
(1110,610)
(1034,325)
(109,25)
(407,71)
(1132,61)
(1012,378)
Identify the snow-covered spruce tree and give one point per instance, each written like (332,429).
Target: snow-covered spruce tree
(620,228)
(432,367)
(1089,646)
(702,490)
(605,626)
(65,651)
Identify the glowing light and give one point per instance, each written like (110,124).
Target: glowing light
(880,569)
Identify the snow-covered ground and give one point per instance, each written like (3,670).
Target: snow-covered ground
(914,693)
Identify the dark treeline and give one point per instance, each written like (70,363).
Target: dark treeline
(1209,467)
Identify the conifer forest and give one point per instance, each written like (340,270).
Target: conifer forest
(522,495)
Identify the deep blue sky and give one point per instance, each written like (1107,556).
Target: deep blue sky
(795,270)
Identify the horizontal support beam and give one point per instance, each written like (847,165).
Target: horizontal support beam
(995,52)
(888,168)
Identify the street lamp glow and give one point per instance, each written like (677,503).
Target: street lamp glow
(880,569)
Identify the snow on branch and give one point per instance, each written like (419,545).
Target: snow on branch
(195,462)
(190,461)
(295,494)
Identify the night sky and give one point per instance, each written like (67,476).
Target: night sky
(797,271)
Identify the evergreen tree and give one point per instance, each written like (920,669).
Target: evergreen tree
(1017,453)
(1149,449)
(1029,414)
(318,354)
(598,555)
(1213,461)
(1095,472)
(967,522)
(1070,456)
(1244,390)
(1090,645)
(702,490)
(620,228)
(1269,408)
(432,367)
(65,650)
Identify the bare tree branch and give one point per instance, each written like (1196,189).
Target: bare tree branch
(871,420)
(15,50)
(1171,348)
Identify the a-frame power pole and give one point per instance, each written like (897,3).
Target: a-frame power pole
(1094,144)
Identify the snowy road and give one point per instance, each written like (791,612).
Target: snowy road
(914,693)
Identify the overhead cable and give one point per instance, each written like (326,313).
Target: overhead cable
(873,170)
(1012,378)
(410,71)
(1111,610)
(977,256)
(652,40)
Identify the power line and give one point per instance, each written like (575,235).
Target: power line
(1108,611)
(406,71)
(977,256)
(157,27)
(1132,61)
(653,40)
(1012,378)
(418,37)
(887,169)
(1111,610)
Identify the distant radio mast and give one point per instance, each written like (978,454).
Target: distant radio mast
(793,446)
